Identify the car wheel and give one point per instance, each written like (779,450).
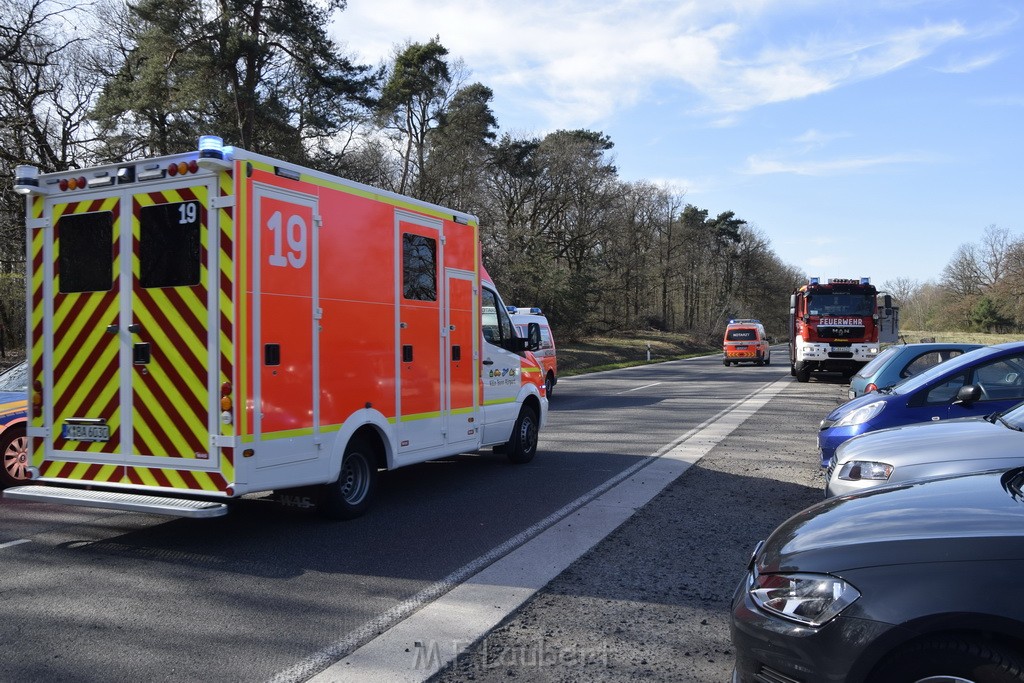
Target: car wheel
(803,375)
(351,495)
(768,359)
(523,445)
(549,385)
(725,363)
(792,370)
(14,450)
(951,659)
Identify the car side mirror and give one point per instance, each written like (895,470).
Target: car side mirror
(970,393)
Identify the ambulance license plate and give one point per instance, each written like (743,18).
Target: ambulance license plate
(741,348)
(84,432)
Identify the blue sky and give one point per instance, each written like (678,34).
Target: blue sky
(864,139)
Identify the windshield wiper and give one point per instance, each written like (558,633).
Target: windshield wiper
(998,417)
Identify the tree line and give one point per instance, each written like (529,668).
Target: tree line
(981,288)
(560,228)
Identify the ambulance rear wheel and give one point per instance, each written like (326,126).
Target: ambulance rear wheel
(523,445)
(351,495)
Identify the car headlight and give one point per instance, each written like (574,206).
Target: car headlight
(808,599)
(860,415)
(861,470)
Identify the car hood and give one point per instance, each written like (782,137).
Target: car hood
(13,397)
(928,442)
(976,517)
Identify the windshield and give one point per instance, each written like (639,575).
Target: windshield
(951,366)
(841,304)
(15,379)
(1014,417)
(880,360)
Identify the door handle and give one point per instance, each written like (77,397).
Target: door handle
(488,362)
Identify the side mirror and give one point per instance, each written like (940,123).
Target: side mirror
(533,337)
(970,393)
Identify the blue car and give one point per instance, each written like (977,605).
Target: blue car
(13,413)
(974,384)
(896,363)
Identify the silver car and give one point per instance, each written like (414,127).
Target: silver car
(927,450)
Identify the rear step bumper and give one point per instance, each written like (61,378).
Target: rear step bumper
(113,500)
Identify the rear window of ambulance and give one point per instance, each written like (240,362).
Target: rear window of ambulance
(741,334)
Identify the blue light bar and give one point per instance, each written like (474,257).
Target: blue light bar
(814,280)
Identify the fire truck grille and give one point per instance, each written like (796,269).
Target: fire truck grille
(840,332)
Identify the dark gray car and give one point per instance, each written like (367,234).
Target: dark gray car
(927,450)
(911,583)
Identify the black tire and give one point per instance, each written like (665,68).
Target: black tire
(725,363)
(803,375)
(549,385)
(768,359)
(952,658)
(14,451)
(352,493)
(522,446)
(792,370)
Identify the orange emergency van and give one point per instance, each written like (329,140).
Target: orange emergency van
(216,323)
(746,341)
(545,355)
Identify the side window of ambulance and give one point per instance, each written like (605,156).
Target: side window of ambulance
(169,244)
(419,267)
(86,252)
(497,326)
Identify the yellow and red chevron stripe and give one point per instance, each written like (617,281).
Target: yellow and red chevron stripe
(192,480)
(225,220)
(85,373)
(170,394)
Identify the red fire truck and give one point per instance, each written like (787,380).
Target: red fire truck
(834,326)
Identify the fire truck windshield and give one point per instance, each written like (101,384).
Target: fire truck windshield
(840,304)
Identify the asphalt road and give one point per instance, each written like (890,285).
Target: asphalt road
(274,594)
(651,602)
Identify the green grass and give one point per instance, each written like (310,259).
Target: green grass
(613,351)
(913,336)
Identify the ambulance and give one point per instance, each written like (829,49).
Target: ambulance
(745,341)
(219,323)
(545,355)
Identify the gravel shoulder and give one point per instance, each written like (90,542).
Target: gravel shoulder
(651,601)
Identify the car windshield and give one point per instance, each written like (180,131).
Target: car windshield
(15,379)
(951,366)
(878,362)
(1013,417)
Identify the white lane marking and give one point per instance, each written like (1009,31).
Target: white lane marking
(421,635)
(11,544)
(646,386)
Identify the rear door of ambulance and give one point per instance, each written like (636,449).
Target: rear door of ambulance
(130,297)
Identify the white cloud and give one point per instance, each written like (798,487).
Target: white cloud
(966,65)
(757,165)
(576,63)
